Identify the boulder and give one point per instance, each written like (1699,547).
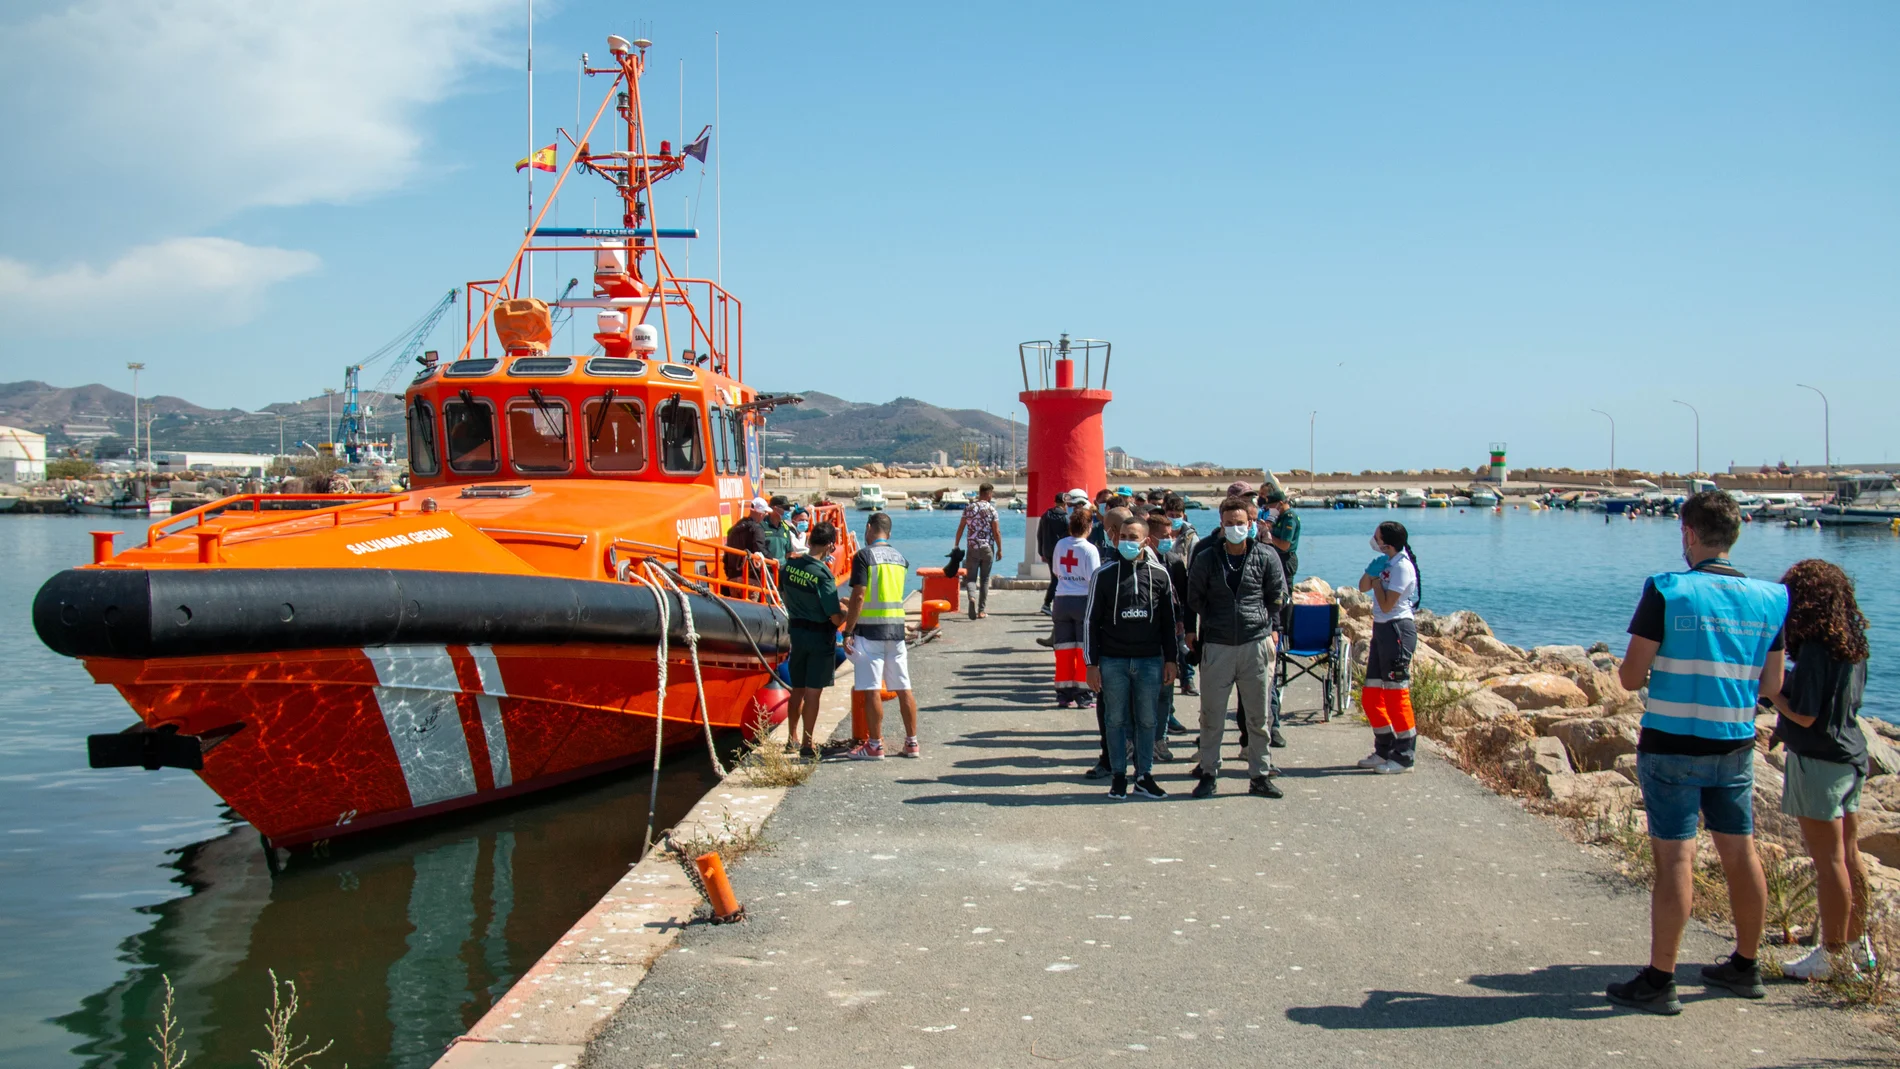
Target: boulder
(1881,792)
(1313,584)
(1880,838)
(1457,652)
(1560,657)
(1601,791)
(1768,816)
(1539,690)
(1444,665)
(1883,758)
(1626,767)
(1540,758)
(1487,646)
(1481,705)
(1595,742)
(1605,661)
(1355,604)
(1602,688)
(1466,625)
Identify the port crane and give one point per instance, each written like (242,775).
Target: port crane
(353,428)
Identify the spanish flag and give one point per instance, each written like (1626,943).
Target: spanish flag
(541,160)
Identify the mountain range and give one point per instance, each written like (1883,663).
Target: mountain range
(825,427)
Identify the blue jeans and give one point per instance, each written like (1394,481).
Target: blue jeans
(1677,788)
(1130,689)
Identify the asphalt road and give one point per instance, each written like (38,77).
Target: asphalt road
(986,906)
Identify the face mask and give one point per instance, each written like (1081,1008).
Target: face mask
(1165,545)
(1376,547)
(1178,522)
(1253,528)
(1237,535)
(1129,550)
(802,526)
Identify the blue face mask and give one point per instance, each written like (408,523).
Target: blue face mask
(1128,550)
(1165,545)
(802,526)
(1179,522)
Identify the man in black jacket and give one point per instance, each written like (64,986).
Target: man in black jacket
(1128,640)
(1235,591)
(1054,524)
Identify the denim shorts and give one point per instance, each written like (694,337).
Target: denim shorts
(1676,787)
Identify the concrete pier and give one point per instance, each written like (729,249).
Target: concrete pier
(986,906)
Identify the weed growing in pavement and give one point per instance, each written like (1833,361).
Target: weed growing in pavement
(1791,899)
(1876,983)
(286,1050)
(167,1040)
(764,763)
(730,841)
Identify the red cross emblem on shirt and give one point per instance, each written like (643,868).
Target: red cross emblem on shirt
(1069,560)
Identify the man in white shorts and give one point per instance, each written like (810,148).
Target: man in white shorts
(874,637)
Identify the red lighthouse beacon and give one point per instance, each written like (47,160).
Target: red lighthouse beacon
(1065,428)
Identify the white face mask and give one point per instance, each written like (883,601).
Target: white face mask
(1376,547)
(1237,535)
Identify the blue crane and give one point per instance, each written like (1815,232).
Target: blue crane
(353,428)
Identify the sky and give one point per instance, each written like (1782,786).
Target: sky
(1413,229)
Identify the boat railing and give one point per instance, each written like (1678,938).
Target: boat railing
(334,506)
(704,562)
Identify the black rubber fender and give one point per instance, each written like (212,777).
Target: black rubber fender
(147,613)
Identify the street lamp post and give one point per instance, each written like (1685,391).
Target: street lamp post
(1612,420)
(1698,435)
(329,420)
(1311,474)
(1827,430)
(135,368)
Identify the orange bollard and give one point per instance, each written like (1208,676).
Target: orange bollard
(860,721)
(933,610)
(712,873)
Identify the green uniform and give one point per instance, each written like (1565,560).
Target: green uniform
(1287,529)
(778,541)
(811,600)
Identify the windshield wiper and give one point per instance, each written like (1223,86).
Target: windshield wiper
(600,421)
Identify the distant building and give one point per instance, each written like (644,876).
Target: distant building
(170,462)
(939,458)
(22,456)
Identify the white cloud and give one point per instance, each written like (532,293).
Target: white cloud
(206,107)
(180,281)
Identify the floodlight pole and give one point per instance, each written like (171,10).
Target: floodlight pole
(1612,420)
(1827,430)
(1698,435)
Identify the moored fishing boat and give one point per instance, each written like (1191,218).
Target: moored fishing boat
(550,599)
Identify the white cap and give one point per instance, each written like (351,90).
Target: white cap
(1078,494)
(759,504)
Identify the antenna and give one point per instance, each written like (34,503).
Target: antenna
(530,138)
(719,159)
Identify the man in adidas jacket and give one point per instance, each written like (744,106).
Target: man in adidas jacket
(1128,640)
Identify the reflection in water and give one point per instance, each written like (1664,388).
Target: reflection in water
(397,944)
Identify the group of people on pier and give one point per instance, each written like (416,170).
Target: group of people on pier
(1141,604)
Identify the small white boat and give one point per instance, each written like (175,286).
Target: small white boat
(1410,499)
(870,498)
(953,500)
(1016,504)
(1437,500)
(1311,501)
(1861,499)
(7,503)
(919,503)
(1460,501)
(1483,499)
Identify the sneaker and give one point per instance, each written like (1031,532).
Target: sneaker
(1391,768)
(1162,753)
(1086,701)
(1046,611)
(1816,964)
(790,746)
(809,752)
(1188,689)
(1046,642)
(1372,760)
(911,749)
(1641,993)
(1175,727)
(869,751)
(1205,788)
(1119,788)
(1265,787)
(1148,788)
(1065,703)
(1742,980)
(1100,771)
(1275,739)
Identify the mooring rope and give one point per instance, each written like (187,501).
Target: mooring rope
(659,711)
(699,682)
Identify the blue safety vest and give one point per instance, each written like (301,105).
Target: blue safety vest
(1716,634)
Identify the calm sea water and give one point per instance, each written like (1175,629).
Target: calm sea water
(1539,577)
(109,879)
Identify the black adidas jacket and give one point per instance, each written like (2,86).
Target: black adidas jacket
(1131,611)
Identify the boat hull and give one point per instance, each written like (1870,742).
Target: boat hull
(326,702)
(1837,516)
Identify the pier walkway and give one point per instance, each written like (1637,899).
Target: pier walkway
(986,906)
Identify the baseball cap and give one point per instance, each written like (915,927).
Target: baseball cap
(779,501)
(759,505)
(1274,497)
(1125,491)
(1078,494)
(1235,489)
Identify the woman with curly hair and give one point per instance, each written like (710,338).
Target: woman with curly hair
(1827,755)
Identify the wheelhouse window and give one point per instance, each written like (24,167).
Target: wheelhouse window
(616,434)
(735,424)
(682,449)
(470,426)
(422,450)
(538,439)
(722,442)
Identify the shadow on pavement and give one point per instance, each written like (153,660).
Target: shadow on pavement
(1555,992)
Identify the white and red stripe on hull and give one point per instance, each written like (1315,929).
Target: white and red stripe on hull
(330,742)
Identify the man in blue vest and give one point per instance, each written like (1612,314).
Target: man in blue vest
(1706,642)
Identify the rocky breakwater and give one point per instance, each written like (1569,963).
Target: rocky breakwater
(1553,725)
